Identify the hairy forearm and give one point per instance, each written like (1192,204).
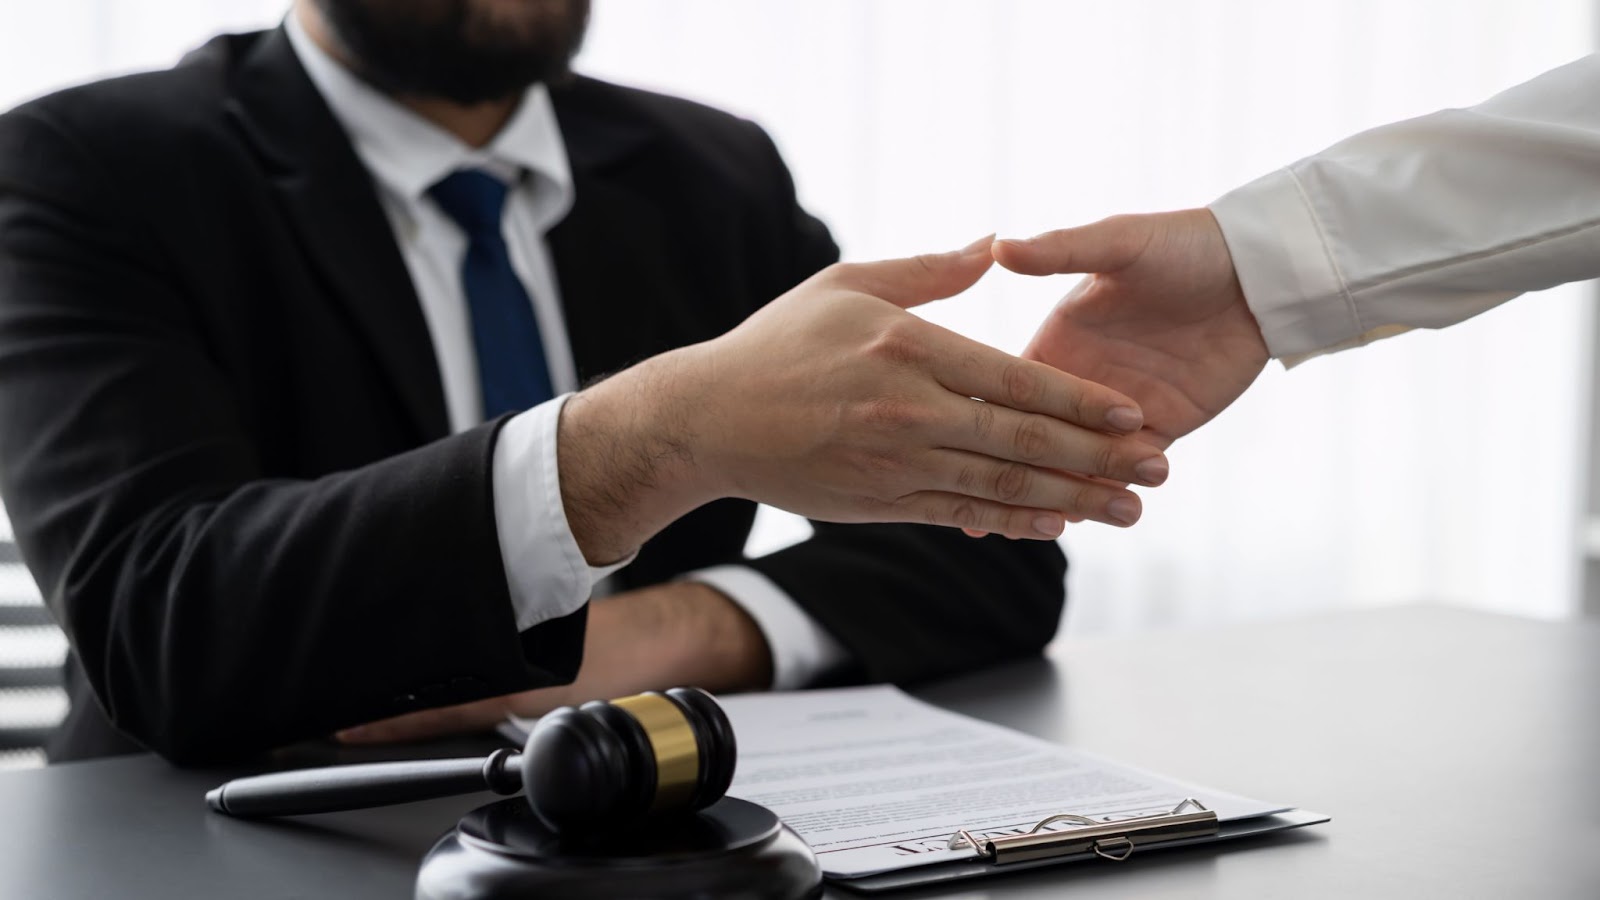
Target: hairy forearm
(628,459)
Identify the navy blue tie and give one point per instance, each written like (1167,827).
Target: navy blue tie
(512,370)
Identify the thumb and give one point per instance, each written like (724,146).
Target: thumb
(915,280)
(1105,246)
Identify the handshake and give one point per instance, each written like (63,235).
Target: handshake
(836,403)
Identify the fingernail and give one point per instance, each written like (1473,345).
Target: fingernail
(1152,471)
(1125,510)
(1125,418)
(1049,526)
(977,247)
(350,735)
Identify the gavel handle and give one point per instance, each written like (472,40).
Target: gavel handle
(306,791)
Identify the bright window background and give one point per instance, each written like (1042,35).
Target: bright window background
(1439,467)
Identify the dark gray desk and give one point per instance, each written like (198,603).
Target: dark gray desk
(1458,753)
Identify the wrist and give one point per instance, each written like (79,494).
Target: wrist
(705,638)
(682,633)
(629,459)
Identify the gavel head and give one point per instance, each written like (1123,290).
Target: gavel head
(608,764)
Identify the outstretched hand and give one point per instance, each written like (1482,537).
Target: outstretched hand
(1161,317)
(835,402)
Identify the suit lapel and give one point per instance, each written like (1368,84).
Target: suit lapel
(622,286)
(333,208)
(606,267)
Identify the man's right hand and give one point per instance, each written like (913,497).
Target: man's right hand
(835,403)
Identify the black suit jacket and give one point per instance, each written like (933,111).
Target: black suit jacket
(223,438)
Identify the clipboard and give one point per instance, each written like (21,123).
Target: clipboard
(1081,840)
(910,847)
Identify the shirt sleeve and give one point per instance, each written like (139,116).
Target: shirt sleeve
(1426,222)
(802,652)
(545,570)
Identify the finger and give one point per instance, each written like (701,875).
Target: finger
(915,280)
(1076,519)
(971,369)
(1044,442)
(1072,519)
(1021,486)
(1104,246)
(964,512)
(427,723)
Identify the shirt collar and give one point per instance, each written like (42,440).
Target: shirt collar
(407,154)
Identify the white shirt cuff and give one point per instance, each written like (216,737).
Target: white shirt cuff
(545,570)
(1286,267)
(801,650)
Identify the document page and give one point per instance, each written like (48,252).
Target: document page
(875,780)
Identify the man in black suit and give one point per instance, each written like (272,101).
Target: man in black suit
(289,340)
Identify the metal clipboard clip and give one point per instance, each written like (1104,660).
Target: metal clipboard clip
(1108,840)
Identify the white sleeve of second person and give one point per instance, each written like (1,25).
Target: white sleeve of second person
(545,570)
(1426,222)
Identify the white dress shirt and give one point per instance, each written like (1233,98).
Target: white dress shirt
(546,572)
(1426,222)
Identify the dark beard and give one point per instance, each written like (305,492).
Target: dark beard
(453,50)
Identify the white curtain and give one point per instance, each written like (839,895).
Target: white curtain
(1439,467)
